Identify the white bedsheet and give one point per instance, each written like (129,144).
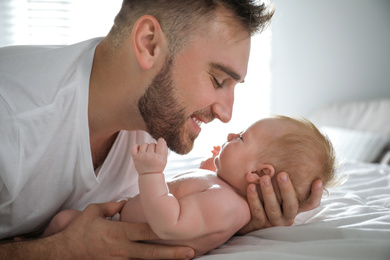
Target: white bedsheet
(353,222)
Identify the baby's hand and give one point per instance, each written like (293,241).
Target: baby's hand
(216,150)
(208,164)
(150,158)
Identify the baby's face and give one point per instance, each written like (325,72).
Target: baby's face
(239,155)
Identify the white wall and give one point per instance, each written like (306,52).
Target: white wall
(326,51)
(55,22)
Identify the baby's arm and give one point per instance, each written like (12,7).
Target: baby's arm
(161,209)
(208,212)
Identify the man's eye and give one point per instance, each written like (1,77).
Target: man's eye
(218,85)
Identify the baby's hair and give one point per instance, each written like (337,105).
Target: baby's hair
(304,153)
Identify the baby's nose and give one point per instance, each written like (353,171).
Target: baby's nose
(232,137)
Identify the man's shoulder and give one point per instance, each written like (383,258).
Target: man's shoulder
(26,50)
(17,50)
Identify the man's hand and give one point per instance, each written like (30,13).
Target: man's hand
(272,213)
(91,236)
(150,158)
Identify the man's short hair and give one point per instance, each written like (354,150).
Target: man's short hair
(179,19)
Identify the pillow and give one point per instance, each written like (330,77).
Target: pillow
(353,145)
(386,159)
(367,116)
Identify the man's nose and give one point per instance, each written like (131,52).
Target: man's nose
(223,107)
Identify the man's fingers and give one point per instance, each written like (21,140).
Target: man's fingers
(255,204)
(143,232)
(277,191)
(107,209)
(109,239)
(290,201)
(155,251)
(315,197)
(271,203)
(138,231)
(258,217)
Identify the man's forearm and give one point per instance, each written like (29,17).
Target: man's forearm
(44,248)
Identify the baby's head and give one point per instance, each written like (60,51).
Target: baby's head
(273,145)
(302,151)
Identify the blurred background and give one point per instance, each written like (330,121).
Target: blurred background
(316,52)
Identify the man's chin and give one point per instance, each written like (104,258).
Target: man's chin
(183,147)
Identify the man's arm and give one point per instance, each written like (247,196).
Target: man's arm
(272,213)
(91,236)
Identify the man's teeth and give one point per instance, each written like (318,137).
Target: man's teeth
(197,121)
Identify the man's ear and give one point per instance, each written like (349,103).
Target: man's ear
(261,170)
(148,41)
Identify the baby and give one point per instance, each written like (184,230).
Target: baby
(203,209)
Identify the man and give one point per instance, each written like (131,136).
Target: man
(68,117)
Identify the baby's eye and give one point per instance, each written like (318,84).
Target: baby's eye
(240,136)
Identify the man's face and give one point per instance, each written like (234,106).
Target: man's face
(162,113)
(197,85)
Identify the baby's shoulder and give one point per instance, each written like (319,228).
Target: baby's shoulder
(194,174)
(195,181)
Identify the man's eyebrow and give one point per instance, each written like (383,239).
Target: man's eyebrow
(228,71)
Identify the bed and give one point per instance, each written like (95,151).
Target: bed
(353,221)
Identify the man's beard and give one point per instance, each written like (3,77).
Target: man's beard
(163,114)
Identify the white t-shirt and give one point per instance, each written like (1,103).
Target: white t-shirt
(45,157)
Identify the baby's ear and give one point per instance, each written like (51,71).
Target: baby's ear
(267,169)
(262,169)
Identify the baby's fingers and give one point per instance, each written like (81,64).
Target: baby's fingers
(134,149)
(216,150)
(162,147)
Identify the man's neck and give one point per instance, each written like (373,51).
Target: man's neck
(112,104)
(100,149)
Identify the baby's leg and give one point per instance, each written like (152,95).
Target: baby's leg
(60,221)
